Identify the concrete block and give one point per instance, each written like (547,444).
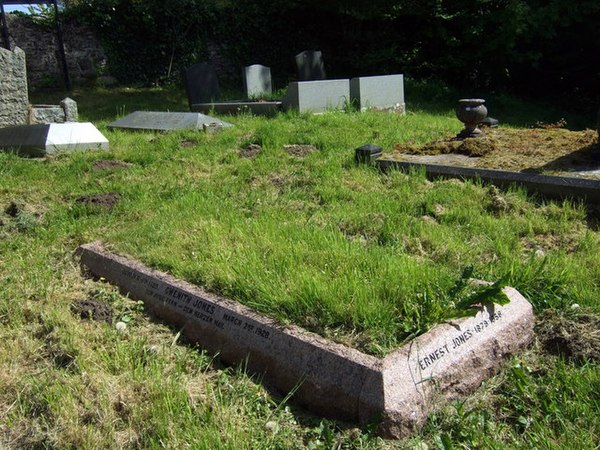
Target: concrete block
(317,96)
(384,92)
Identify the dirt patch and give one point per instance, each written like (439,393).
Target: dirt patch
(575,336)
(13,209)
(300,150)
(105,201)
(91,309)
(548,149)
(110,164)
(250,151)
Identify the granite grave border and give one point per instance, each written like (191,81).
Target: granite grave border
(396,392)
(550,186)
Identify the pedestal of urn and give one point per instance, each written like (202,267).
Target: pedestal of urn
(471,112)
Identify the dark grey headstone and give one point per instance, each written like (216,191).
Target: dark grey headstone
(166,121)
(201,83)
(257,81)
(310,65)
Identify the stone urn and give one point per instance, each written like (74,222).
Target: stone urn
(471,112)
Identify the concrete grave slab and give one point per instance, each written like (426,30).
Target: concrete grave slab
(384,92)
(317,96)
(399,391)
(166,121)
(257,81)
(48,139)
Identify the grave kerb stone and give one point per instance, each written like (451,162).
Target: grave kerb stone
(448,361)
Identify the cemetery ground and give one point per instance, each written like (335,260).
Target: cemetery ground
(275,214)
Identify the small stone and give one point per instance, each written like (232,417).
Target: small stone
(121,326)
(271,425)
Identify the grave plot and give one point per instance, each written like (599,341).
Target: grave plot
(397,391)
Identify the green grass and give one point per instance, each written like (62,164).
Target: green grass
(361,257)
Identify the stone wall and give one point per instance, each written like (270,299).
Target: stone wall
(85,57)
(14,103)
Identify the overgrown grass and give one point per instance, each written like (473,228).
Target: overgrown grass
(361,257)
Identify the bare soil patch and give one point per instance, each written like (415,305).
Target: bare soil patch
(300,150)
(91,309)
(547,149)
(110,164)
(575,336)
(250,151)
(106,201)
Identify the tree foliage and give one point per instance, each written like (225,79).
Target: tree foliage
(548,47)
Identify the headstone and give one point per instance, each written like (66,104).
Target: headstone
(48,139)
(384,92)
(257,81)
(14,103)
(201,83)
(310,65)
(399,390)
(317,96)
(166,121)
(70,108)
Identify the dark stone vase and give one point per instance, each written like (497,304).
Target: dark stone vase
(471,112)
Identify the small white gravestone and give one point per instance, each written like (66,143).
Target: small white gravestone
(257,81)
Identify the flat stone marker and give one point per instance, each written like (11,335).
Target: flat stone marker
(399,390)
(384,92)
(201,83)
(317,96)
(49,139)
(166,121)
(257,81)
(310,65)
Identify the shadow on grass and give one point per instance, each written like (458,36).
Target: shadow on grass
(108,104)
(436,98)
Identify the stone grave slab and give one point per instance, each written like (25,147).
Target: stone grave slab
(384,92)
(166,121)
(317,96)
(201,83)
(257,81)
(310,65)
(48,139)
(399,391)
